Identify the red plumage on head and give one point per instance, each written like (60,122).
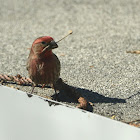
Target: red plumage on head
(43,38)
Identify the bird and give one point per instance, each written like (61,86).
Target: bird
(43,65)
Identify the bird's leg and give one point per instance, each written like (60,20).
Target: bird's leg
(33,87)
(55,96)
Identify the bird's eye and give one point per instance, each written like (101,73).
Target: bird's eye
(43,42)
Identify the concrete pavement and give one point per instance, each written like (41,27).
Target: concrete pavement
(94,58)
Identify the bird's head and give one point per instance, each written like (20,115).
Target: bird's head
(43,45)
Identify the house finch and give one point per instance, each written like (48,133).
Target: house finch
(43,65)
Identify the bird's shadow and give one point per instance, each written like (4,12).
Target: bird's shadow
(95,97)
(89,95)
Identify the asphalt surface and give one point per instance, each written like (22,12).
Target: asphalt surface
(93,58)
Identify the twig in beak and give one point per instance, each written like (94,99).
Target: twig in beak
(45,49)
(69,33)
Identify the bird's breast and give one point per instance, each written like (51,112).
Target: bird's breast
(45,70)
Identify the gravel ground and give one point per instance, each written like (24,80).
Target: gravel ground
(94,58)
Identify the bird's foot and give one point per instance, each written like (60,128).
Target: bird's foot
(55,97)
(29,95)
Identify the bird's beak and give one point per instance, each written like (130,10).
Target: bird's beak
(50,46)
(53,45)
